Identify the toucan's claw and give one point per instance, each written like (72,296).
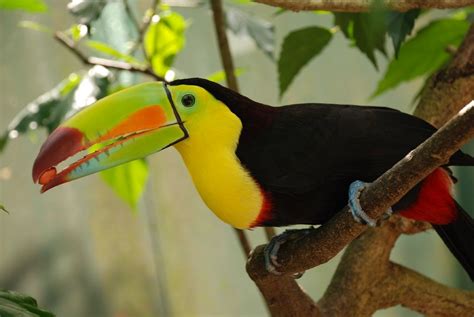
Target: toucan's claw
(271,249)
(356,209)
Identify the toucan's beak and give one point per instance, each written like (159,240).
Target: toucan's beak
(119,128)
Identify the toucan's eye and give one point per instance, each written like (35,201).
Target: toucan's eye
(188,100)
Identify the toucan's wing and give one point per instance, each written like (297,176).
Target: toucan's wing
(310,146)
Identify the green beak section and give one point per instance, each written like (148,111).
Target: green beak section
(125,126)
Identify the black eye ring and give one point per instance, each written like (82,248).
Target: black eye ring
(188,100)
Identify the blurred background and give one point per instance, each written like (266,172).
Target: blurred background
(81,251)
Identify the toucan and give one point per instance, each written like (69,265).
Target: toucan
(259,165)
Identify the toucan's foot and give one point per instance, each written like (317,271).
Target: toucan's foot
(356,209)
(271,249)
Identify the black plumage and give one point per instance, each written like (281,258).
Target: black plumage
(305,156)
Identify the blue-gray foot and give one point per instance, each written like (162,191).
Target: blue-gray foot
(355,189)
(271,249)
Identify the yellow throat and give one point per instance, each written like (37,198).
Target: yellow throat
(209,154)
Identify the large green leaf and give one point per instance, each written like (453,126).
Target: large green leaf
(299,47)
(366,31)
(13,304)
(400,25)
(164,39)
(261,31)
(25,5)
(128,181)
(424,53)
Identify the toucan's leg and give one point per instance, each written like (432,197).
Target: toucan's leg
(356,209)
(271,249)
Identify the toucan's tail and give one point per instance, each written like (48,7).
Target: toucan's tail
(459,238)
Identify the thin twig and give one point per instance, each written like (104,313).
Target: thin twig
(119,65)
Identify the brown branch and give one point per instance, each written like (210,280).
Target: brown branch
(417,292)
(364,5)
(369,281)
(119,65)
(329,239)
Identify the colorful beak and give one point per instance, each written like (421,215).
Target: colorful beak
(125,126)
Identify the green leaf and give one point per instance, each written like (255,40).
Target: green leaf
(400,25)
(220,77)
(110,51)
(13,304)
(262,32)
(128,181)
(32,25)
(299,47)
(164,39)
(424,53)
(365,30)
(25,5)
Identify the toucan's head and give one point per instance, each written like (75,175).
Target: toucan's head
(128,125)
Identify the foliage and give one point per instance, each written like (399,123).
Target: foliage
(299,47)
(14,304)
(400,25)
(164,39)
(128,181)
(368,32)
(430,41)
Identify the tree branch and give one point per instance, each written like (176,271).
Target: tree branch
(369,281)
(70,45)
(329,239)
(364,5)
